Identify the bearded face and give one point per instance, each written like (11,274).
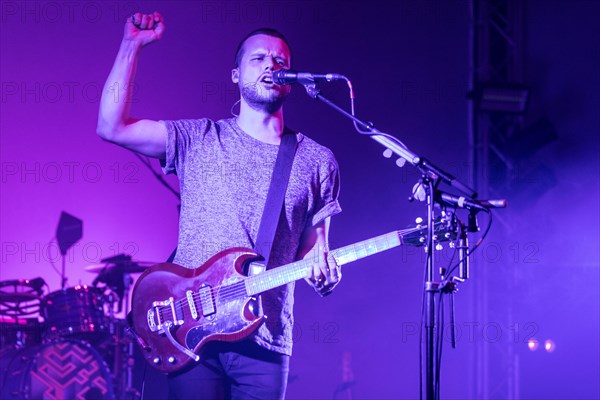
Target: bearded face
(262,56)
(259,97)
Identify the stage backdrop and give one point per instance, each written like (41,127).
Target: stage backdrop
(408,61)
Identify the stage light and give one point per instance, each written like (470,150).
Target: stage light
(533,344)
(550,346)
(503,98)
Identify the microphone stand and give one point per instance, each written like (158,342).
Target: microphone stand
(393,144)
(431,288)
(431,177)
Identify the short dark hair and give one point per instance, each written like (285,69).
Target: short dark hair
(261,31)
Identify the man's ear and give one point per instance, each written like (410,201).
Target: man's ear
(235,75)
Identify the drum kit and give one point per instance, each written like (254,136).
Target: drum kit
(68,343)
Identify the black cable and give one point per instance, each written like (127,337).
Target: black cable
(158,176)
(439,344)
(144,381)
(421,346)
(50,256)
(472,250)
(456,241)
(440,317)
(366,132)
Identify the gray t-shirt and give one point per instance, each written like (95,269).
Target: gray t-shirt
(224,175)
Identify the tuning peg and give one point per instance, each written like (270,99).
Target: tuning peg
(387,153)
(439,246)
(418,220)
(400,162)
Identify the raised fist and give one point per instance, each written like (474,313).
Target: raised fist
(144,28)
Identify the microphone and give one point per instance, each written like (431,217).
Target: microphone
(288,76)
(463,255)
(463,202)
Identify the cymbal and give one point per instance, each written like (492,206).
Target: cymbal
(130,267)
(15,297)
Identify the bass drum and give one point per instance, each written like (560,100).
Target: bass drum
(65,369)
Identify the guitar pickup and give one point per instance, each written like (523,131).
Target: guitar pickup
(192,304)
(207,301)
(163,312)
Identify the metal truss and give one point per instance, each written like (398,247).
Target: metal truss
(496,58)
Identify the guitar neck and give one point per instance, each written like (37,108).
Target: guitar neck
(297,270)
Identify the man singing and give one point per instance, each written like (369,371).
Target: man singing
(224,169)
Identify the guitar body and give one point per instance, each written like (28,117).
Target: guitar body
(215,291)
(176,311)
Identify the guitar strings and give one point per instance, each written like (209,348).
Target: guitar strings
(230,291)
(239,288)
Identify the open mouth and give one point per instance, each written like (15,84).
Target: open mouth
(267,79)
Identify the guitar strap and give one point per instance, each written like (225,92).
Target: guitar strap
(276,195)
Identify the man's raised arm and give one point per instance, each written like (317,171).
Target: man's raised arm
(114,123)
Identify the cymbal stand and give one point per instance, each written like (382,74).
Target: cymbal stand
(121,343)
(129,391)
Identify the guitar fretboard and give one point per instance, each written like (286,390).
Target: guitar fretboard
(292,272)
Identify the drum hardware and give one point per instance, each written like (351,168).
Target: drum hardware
(114,273)
(118,352)
(79,321)
(120,262)
(21,297)
(75,312)
(20,332)
(19,300)
(16,297)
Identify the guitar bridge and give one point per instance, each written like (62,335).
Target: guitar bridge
(164,314)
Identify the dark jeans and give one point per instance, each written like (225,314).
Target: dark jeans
(239,370)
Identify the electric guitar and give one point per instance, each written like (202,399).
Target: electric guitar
(176,310)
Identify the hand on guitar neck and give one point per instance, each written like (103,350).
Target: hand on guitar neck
(325,274)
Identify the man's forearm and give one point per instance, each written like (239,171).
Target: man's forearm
(116,97)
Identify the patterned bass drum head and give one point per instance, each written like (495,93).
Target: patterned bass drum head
(60,370)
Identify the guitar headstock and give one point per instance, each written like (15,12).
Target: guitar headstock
(444,228)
